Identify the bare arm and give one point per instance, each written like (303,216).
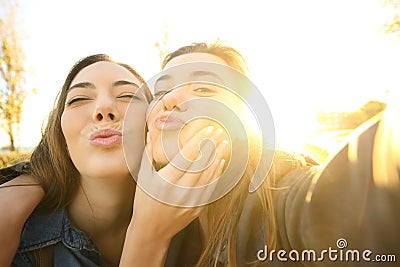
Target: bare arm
(16,205)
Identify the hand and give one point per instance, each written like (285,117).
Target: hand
(168,200)
(155,222)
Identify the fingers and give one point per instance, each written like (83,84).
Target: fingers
(186,172)
(183,183)
(190,152)
(211,171)
(191,149)
(208,151)
(205,184)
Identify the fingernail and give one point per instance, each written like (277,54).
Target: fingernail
(209,129)
(222,164)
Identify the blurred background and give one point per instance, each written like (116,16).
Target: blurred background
(323,66)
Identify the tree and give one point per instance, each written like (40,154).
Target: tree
(392,26)
(162,46)
(12,57)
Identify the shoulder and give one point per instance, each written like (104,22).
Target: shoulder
(55,233)
(39,234)
(48,229)
(9,173)
(42,230)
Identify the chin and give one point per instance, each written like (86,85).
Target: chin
(103,167)
(111,171)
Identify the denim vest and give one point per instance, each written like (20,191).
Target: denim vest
(71,246)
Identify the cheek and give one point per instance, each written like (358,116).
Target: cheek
(68,127)
(134,136)
(135,126)
(72,125)
(155,108)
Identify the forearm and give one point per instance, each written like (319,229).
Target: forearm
(16,204)
(140,250)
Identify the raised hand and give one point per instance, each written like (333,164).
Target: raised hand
(167,200)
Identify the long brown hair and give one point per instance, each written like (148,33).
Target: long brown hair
(50,162)
(224,214)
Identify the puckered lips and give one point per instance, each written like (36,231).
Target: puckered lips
(105,138)
(166,121)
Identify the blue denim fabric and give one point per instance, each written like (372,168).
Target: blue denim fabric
(71,246)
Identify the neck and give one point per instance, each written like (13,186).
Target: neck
(102,208)
(102,205)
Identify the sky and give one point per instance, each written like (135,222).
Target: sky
(303,56)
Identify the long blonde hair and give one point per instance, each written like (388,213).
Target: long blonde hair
(224,214)
(50,162)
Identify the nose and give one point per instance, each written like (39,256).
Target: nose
(105,110)
(174,99)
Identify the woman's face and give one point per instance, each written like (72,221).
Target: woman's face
(169,112)
(92,121)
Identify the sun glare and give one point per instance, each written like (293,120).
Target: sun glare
(304,61)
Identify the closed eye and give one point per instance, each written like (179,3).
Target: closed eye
(129,96)
(161,93)
(204,91)
(77,99)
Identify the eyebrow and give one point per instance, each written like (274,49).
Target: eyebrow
(195,75)
(163,78)
(202,73)
(82,85)
(123,82)
(92,86)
